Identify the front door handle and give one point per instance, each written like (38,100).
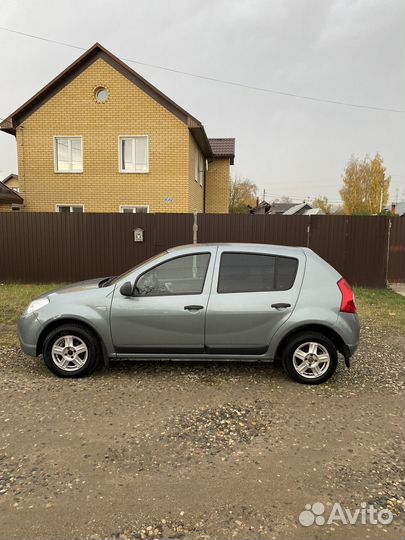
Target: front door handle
(193,308)
(280,305)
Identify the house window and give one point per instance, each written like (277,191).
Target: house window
(201,170)
(68,154)
(134,209)
(101,94)
(66,208)
(134,154)
(16,189)
(198,167)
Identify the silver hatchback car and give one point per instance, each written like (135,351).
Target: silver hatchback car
(201,302)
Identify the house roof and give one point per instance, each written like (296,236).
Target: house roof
(95,52)
(314,212)
(280,208)
(262,207)
(297,209)
(11,176)
(223,148)
(7,195)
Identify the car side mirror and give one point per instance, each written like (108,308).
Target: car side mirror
(126,289)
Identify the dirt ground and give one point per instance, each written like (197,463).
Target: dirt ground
(200,451)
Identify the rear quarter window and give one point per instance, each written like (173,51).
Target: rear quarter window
(251,272)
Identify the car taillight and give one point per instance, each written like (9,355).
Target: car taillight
(347,304)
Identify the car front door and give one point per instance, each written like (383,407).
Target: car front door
(253,294)
(166,312)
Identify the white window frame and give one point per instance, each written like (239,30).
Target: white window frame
(196,164)
(126,206)
(201,169)
(55,153)
(124,171)
(68,204)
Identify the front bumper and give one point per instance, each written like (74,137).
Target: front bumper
(29,330)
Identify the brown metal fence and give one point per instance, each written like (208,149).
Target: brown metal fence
(42,247)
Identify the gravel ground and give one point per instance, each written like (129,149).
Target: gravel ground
(199,451)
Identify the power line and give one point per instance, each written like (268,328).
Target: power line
(214,79)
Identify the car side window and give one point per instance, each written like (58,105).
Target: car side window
(250,272)
(182,275)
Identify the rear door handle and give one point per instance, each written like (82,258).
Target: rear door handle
(193,308)
(280,305)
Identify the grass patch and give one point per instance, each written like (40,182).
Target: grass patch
(14,298)
(382,307)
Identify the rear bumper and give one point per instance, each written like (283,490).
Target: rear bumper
(29,330)
(348,327)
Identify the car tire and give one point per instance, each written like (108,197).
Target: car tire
(310,358)
(71,350)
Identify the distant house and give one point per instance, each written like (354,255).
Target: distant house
(285,209)
(11,181)
(262,207)
(9,198)
(280,208)
(396,209)
(303,209)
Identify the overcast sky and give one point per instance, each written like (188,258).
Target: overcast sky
(343,50)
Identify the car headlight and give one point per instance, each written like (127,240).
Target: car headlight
(35,305)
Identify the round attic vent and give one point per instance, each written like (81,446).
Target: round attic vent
(101,94)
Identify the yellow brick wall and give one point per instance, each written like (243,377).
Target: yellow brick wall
(196,191)
(101,187)
(217,188)
(5,207)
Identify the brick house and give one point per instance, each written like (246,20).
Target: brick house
(11,181)
(100,138)
(9,196)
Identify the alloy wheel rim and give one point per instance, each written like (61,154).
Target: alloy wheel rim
(311,360)
(69,353)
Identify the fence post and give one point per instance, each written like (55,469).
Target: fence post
(195,228)
(308,230)
(388,251)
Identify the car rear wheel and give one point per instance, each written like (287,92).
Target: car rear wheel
(71,350)
(310,358)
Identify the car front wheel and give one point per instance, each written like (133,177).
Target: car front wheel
(310,358)
(71,350)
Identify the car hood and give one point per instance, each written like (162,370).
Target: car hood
(80,286)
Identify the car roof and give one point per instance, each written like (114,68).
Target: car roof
(240,246)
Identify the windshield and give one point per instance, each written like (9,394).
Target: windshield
(129,272)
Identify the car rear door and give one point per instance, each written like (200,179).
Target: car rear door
(253,293)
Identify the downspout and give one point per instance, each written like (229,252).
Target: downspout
(21,128)
(205,187)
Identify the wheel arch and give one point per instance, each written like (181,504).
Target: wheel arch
(69,320)
(321,329)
